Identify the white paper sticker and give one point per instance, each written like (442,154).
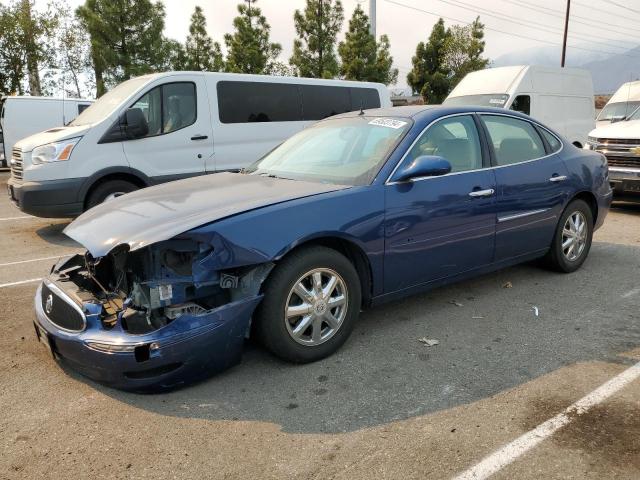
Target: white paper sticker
(496,101)
(166,292)
(388,122)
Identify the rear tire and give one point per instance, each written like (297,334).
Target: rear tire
(107,190)
(572,239)
(311,302)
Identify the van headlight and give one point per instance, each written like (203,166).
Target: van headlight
(54,152)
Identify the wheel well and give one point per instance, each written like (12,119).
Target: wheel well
(577,144)
(590,200)
(355,255)
(113,176)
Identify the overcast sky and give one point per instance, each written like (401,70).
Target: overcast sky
(406,27)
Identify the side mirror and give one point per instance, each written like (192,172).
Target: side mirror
(135,124)
(423,166)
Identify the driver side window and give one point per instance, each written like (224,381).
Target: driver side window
(169,107)
(455,139)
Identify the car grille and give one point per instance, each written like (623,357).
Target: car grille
(16,163)
(618,141)
(615,161)
(61,311)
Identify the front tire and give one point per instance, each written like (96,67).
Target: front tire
(108,190)
(572,239)
(311,302)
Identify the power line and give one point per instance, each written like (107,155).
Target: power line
(526,37)
(624,7)
(528,24)
(585,21)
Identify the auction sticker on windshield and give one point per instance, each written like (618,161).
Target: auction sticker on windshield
(388,122)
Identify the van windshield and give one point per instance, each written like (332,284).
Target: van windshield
(635,115)
(106,104)
(617,111)
(344,151)
(497,100)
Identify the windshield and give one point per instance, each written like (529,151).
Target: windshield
(497,100)
(618,110)
(106,104)
(344,151)
(635,115)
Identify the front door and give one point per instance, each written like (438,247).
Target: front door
(438,227)
(532,185)
(180,137)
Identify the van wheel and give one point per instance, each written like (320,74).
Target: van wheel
(108,191)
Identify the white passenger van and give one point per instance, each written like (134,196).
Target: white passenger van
(561,98)
(623,103)
(167,126)
(21,116)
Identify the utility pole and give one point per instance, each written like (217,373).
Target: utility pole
(372,17)
(566,30)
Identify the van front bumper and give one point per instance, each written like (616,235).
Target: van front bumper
(188,349)
(50,199)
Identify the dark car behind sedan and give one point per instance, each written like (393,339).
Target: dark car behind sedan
(357,210)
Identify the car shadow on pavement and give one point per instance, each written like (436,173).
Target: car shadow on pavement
(627,207)
(53,234)
(495,332)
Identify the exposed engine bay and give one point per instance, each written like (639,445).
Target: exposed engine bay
(148,288)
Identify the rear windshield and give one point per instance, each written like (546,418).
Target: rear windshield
(497,100)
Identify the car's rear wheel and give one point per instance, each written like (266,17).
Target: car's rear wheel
(108,191)
(572,240)
(311,302)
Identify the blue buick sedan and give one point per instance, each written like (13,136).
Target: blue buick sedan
(359,209)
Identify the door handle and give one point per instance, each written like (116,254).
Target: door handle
(199,137)
(558,178)
(482,193)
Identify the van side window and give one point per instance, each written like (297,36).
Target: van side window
(522,104)
(513,140)
(82,107)
(455,139)
(247,102)
(551,139)
(169,107)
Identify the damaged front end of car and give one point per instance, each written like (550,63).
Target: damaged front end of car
(152,318)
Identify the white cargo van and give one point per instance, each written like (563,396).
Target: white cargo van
(621,104)
(561,98)
(167,126)
(21,116)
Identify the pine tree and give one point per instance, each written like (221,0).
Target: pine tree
(201,52)
(430,75)
(362,58)
(317,28)
(126,38)
(12,64)
(248,48)
(463,50)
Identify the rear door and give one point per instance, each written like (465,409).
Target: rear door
(531,185)
(438,227)
(180,137)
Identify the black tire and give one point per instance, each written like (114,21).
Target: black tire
(110,187)
(556,258)
(270,324)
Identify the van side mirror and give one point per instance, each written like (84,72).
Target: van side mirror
(135,123)
(423,166)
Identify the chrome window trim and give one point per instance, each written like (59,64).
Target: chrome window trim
(389,182)
(63,296)
(521,215)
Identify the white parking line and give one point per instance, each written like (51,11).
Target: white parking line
(16,218)
(35,260)
(21,282)
(631,293)
(521,445)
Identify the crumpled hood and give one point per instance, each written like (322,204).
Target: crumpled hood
(55,134)
(628,129)
(159,213)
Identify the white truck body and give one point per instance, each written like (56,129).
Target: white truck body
(623,103)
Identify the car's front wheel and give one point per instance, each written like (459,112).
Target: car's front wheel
(311,302)
(572,240)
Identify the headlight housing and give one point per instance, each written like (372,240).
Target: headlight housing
(54,152)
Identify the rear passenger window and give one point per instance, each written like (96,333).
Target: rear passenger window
(455,139)
(552,140)
(248,102)
(513,140)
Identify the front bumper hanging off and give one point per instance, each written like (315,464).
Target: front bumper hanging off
(190,348)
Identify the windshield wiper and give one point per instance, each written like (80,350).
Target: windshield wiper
(271,175)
